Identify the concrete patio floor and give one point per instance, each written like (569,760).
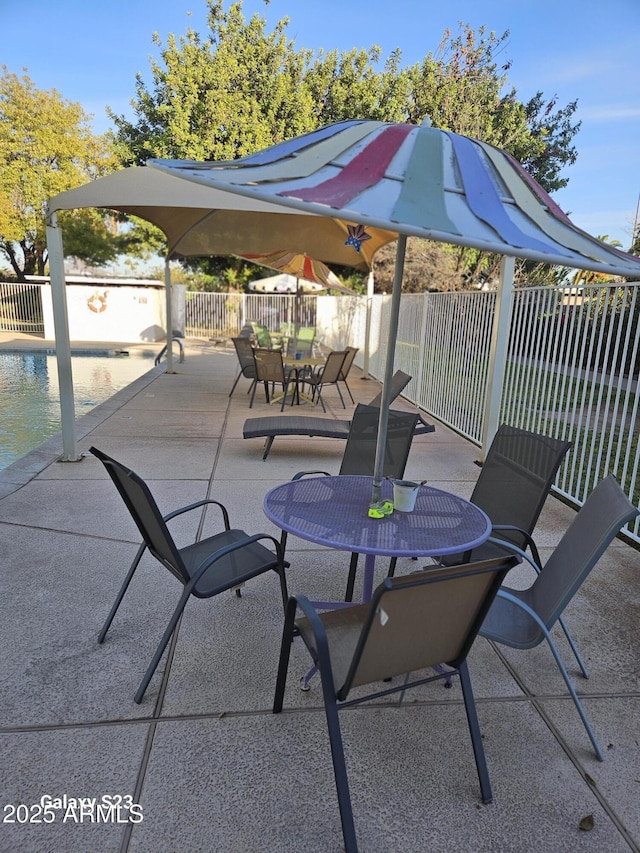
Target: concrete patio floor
(210,766)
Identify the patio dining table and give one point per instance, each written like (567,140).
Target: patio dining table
(333,511)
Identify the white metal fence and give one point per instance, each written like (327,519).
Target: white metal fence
(21,308)
(572,372)
(213,315)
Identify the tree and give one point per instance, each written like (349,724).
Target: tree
(46,147)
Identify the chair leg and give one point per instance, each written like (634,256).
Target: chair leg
(392,567)
(574,696)
(556,654)
(155,660)
(267,446)
(340,395)
(349,390)
(120,596)
(233,387)
(476,736)
(339,765)
(285,653)
(353,565)
(253,394)
(574,649)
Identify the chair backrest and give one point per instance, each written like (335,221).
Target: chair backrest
(244,351)
(422,619)
(598,521)
(295,345)
(399,382)
(360,451)
(306,333)
(269,365)
(144,511)
(263,336)
(516,478)
(348,361)
(332,367)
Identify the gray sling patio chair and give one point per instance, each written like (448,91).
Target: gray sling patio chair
(329,374)
(524,618)
(271,427)
(244,351)
(271,370)
(429,617)
(347,364)
(513,485)
(206,568)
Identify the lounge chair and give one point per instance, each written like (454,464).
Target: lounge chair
(271,427)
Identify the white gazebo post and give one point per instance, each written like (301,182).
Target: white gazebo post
(498,353)
(169,314)
(63,344)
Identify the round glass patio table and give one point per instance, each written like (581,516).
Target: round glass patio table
(332,511)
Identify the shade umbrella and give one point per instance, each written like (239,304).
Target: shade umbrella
(347,189)
(300,266)
(304,271)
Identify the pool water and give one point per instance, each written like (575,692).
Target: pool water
(30,397)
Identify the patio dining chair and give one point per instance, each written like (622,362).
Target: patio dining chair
(524,618)
(244,351)
(346,367)
(513,485)
(271,371)
(205,568)
(411,624)
(262,336)
(329,374)
(302,341)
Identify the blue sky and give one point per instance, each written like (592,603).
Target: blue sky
(576,49)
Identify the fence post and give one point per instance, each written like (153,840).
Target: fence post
(498,353)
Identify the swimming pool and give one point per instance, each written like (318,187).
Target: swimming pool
(30,397)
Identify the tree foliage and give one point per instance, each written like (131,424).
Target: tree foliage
(46,147)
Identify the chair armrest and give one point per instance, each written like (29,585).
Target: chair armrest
(529,539)
(509,546)
(301,474)
(196,505)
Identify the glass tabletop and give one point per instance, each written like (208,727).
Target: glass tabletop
(332,511)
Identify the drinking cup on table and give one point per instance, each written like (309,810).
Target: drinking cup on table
(405,493)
